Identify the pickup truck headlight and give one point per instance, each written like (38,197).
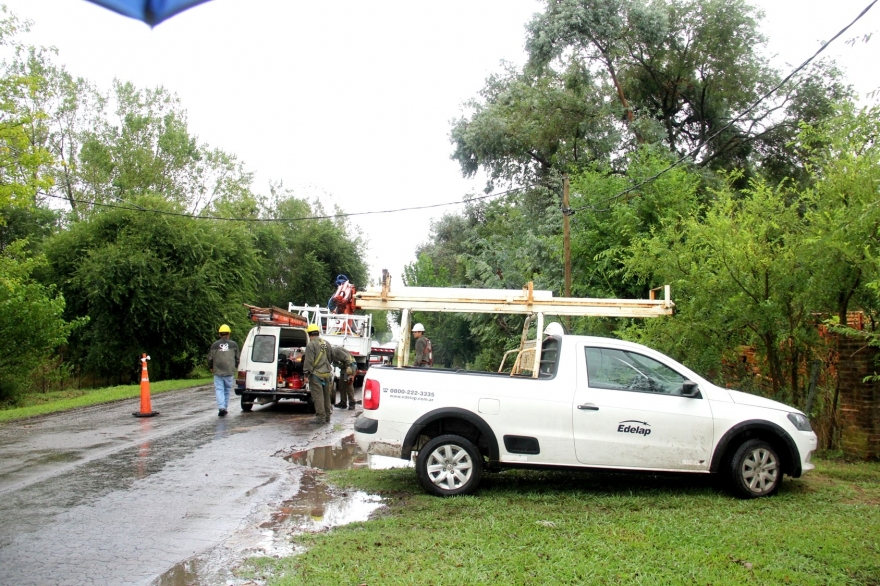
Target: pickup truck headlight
(800,421)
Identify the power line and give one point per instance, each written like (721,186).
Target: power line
(136,208)
(726,126)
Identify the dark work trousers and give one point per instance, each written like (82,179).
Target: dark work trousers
(320,389)
(346,390)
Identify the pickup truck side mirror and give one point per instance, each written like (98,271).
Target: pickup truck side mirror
(690,389)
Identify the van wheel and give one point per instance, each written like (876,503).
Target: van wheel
(246,403)
(755,470)
(449,465)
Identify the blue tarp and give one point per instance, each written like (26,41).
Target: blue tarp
(151,12)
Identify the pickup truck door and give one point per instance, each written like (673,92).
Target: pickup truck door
(629,413)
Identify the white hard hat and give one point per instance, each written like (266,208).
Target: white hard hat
(554,329)
(418,328)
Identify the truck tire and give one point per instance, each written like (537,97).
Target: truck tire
(754,470)
(358,381)
(449,465)
(310,404)
(247,403)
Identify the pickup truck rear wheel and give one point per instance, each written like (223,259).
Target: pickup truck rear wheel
(755,470)
(448,465)
(247,403)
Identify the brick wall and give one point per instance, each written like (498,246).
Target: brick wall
(858,412)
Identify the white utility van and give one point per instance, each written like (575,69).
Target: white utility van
(271,364)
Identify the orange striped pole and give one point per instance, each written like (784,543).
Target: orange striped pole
(146,408)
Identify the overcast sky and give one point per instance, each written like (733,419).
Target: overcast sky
(351,100)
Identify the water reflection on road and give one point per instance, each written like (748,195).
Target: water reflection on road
(96,496)
(344,456)
(315,507)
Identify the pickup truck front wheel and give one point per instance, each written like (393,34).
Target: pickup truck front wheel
(755,470)
(448,465)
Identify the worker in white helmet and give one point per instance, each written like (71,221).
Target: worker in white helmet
(424,351)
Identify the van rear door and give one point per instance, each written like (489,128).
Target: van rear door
(262,374)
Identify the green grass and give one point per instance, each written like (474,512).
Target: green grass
(547,528)
(43,403)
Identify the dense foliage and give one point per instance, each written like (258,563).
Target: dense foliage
(108,243)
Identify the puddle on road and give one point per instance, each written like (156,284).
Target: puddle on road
(316,507)
(344,456)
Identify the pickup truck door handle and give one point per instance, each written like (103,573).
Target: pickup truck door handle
(588,407)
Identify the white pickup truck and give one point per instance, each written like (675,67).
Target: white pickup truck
(594,403)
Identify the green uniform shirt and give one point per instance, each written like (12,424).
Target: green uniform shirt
(317,358)
(423,351)
(343,359)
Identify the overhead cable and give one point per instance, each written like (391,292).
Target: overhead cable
(136,208)
(726,126)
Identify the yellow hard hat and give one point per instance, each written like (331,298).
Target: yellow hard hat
(224,329)
(313,328)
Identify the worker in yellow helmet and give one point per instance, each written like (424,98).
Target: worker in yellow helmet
(319,374)
(223,362)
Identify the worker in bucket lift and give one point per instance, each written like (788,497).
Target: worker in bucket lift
(318,374)
(223,362)
(424,351)
(347,365)
(343,300)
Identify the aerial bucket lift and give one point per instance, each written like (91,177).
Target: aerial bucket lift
(526,301)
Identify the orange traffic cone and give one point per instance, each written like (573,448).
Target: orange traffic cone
(146,409)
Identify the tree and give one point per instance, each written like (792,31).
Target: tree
(606,225)
(301,257)
(153,282)
(145,148)
(844,217)
(31,322)
(22,164)
(740,276)
(680,69)
(526,127)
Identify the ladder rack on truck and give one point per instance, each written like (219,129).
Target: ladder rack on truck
(526,301)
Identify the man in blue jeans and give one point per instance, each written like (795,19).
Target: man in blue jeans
(223,362)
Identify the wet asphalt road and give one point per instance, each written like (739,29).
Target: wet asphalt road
(98,496)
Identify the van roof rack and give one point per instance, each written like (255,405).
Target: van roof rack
(275,316)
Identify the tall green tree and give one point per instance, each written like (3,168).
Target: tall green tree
(152,282)
(680,71)
(529,129)
(144,147)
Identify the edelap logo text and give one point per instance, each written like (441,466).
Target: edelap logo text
(631,426)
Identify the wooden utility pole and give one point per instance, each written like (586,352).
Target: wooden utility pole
(566,243)
(566,236)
